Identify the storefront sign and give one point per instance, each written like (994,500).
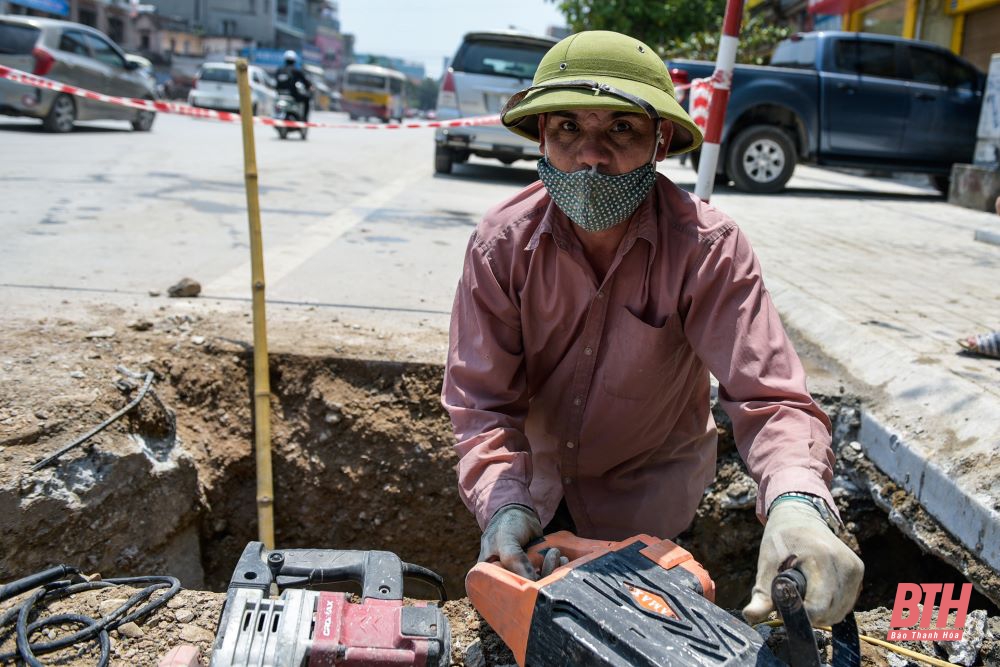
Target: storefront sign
(57,7)
(838,6)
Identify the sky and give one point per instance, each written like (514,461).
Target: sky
(427,31)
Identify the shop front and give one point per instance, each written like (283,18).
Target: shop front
(970,28)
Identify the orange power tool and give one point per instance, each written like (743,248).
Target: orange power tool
(642,601)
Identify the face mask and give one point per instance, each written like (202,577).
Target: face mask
(596,201)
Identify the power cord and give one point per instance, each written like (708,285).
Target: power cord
(20,616)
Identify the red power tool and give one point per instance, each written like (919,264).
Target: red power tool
(322,628)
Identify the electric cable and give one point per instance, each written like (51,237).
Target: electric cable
(91,629)
(97,429)
(920,657)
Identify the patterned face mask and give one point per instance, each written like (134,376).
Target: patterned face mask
(596,201)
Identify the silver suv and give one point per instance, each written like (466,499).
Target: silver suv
(487,69)
(74,54)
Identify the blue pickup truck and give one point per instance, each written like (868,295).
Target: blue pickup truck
(848,100)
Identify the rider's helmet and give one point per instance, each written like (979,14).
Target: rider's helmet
(599,69)
(291,57)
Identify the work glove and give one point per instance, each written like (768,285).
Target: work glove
(797,535)
(510,529)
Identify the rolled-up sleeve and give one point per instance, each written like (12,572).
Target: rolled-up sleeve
(731,322)
(485,390)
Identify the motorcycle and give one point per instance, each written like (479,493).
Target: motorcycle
(290,107)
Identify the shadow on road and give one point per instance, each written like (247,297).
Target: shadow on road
(77,129)
(824,193)
(499,174)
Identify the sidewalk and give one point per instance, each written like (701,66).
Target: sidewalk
(882,277)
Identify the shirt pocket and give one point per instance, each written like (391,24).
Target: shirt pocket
(639,358)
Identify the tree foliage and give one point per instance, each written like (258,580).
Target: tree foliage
(675,28)
(655,22)
(757,40)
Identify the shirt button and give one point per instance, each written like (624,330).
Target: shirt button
(567,480)
(570,445)
(577,401)
(588,351)
(600,295)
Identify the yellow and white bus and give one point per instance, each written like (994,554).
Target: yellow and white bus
(371,90)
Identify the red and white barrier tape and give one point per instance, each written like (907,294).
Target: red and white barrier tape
(228,117)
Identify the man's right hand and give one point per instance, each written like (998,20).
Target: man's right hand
(510,529)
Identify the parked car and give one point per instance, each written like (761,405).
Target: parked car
(74,54)
(849,100)
(215,88)
(487,69)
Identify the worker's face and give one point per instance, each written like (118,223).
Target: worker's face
(615,142)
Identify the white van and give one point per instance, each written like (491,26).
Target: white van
(487,69)
(215,88)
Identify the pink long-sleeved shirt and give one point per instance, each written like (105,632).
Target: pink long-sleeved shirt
(558,385)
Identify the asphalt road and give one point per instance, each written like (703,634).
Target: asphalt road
(355,218)
(352,219)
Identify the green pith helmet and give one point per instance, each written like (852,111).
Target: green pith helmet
(612,63)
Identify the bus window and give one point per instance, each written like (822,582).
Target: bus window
(363,80)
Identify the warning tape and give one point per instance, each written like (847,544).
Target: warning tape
(27,79)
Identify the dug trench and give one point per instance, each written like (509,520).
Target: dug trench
(363,459)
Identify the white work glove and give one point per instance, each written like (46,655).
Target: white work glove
(510,529)
(833,572)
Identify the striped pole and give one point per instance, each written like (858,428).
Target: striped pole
(722,79)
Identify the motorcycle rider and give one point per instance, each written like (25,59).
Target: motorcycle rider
(289,76)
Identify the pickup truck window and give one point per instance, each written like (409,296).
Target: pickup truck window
(867,58)
(927,66)
(795,53)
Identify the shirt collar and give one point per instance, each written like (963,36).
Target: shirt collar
(555,223)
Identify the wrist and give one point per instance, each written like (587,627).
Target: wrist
(825,513)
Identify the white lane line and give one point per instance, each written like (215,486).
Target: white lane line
(284,259)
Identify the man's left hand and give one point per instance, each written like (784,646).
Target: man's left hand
(833,572)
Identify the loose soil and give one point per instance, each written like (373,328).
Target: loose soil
(362,460)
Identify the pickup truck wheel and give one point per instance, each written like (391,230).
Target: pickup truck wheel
(442,160)
(761,159)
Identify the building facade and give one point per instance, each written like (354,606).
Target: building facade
(970,28)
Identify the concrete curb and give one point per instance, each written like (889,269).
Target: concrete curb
(934,432)
(908,462)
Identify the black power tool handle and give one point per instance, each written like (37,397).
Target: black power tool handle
(787,592)
(380,573)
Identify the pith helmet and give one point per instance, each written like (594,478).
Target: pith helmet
(599,69)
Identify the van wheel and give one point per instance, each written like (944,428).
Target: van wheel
(61,116)
(761,159)
(442,160)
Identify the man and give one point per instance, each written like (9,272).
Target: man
(292,81)
(592,307)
